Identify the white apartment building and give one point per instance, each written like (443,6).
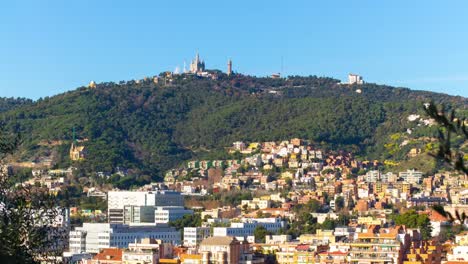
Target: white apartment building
(277,239)
(163,215)
(92,237)
(147,251)
(117,200)
(256,203)
(194,235)
(388,177)
(458,253)
(372,176)
(247,227)
(411,176)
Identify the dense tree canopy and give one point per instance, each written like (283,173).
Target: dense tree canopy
(412,219)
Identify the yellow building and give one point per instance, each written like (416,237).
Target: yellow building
(425,254)
(191,259)
(369,220)
(287,174)
(462,239)
(319,236)
(254,145)
(296,257)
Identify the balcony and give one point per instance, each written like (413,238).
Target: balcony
(371,259)
(375,243)
(374,250)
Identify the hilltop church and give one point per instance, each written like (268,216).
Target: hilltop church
(197,65)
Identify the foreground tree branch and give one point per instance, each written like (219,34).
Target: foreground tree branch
(449,126)
(32,227)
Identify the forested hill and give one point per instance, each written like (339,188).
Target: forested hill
(11,103)
(148,128)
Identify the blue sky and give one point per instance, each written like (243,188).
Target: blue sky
(50,48)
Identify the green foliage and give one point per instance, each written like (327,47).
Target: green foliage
(260,233)
(7,104)
(313,206)
(328,224)
(93,203)
(20,175)
(27,215)
(412,219)
(422,162)
(232,198)
(192,220)
(339,203)
(452,128)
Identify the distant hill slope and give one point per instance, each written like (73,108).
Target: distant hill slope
(149,128)
(7,104)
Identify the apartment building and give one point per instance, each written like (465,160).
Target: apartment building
(386,246)
(194,235)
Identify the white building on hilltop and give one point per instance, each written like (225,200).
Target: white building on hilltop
(355,79)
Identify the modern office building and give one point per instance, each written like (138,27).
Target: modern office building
(153,214)
(117,200)
(138,214)
(247,227)
(165,214)
(92,237)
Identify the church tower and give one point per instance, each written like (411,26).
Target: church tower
(197,65)
(77,153)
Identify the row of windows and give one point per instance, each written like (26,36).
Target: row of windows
(150,236)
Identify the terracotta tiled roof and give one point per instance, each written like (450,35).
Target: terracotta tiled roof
(437,217)
(303,247)
(218,240)
(109,254)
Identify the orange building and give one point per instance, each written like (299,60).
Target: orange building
(362,206)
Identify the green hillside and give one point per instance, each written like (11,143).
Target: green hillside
(148,128)
(7,104)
